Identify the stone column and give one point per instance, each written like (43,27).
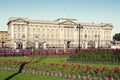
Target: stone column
(44,45)
(24,45)
(96,44)
(82,45)
(12,31)
(15,45)
(86,46)
(11,44)
(64,47)
(36,45)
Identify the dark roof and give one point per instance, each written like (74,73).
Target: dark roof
(4,31)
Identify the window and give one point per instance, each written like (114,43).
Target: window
(52,35)
(23,36)
(38,29)
(15,36)
(43,29)
(81,36)
(56,30)
(85,31)
(18,35)
(88,32)
(18,29)
(92,32)
(47,30)
(33,29)
(15,29)
(28,29)
(29,35)
(36,36)
(23,29)
(95,32)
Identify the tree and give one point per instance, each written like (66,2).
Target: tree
(117,37)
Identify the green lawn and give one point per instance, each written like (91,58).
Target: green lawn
(55,60)
(45,59)
(46,63)
(4,75)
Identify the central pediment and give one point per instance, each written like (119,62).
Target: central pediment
(66,21)
(18,20)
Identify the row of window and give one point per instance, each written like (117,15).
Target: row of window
(95,36)
(3,35)
(43,30)
(66,35)
(36,36)
(3,38)
(39,26)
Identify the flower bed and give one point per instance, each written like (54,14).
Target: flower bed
(107,56)
(74,71)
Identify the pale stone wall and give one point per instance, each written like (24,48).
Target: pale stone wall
(4,39)
(43,34)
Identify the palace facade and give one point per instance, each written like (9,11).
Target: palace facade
(4,39)
(26,33)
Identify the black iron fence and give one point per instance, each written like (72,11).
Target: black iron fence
(49,51)
(37,52)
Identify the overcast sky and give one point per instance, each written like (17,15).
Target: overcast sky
(87,11)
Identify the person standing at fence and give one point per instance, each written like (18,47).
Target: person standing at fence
(64,48)
(17,50)
(56,50)
(33,52)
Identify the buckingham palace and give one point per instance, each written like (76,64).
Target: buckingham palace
(26,33)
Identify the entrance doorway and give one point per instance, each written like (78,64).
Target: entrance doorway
(30,45)
(91,44)
(19,45)
(68,44)
(41,45)
(3,44)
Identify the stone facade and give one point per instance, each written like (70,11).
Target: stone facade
(26,33)
(4,39)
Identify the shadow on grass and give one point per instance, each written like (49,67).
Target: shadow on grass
(19,71)
(40,59)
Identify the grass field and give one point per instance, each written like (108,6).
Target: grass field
(4,75)
(21,76)
(47,60)
(40,59)
(55,60)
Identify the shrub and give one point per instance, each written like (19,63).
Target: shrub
(96,56)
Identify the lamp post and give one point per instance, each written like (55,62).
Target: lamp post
(98,41)
(79,27)
(3,44)
(85,41)
(27,37)
(95,41)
